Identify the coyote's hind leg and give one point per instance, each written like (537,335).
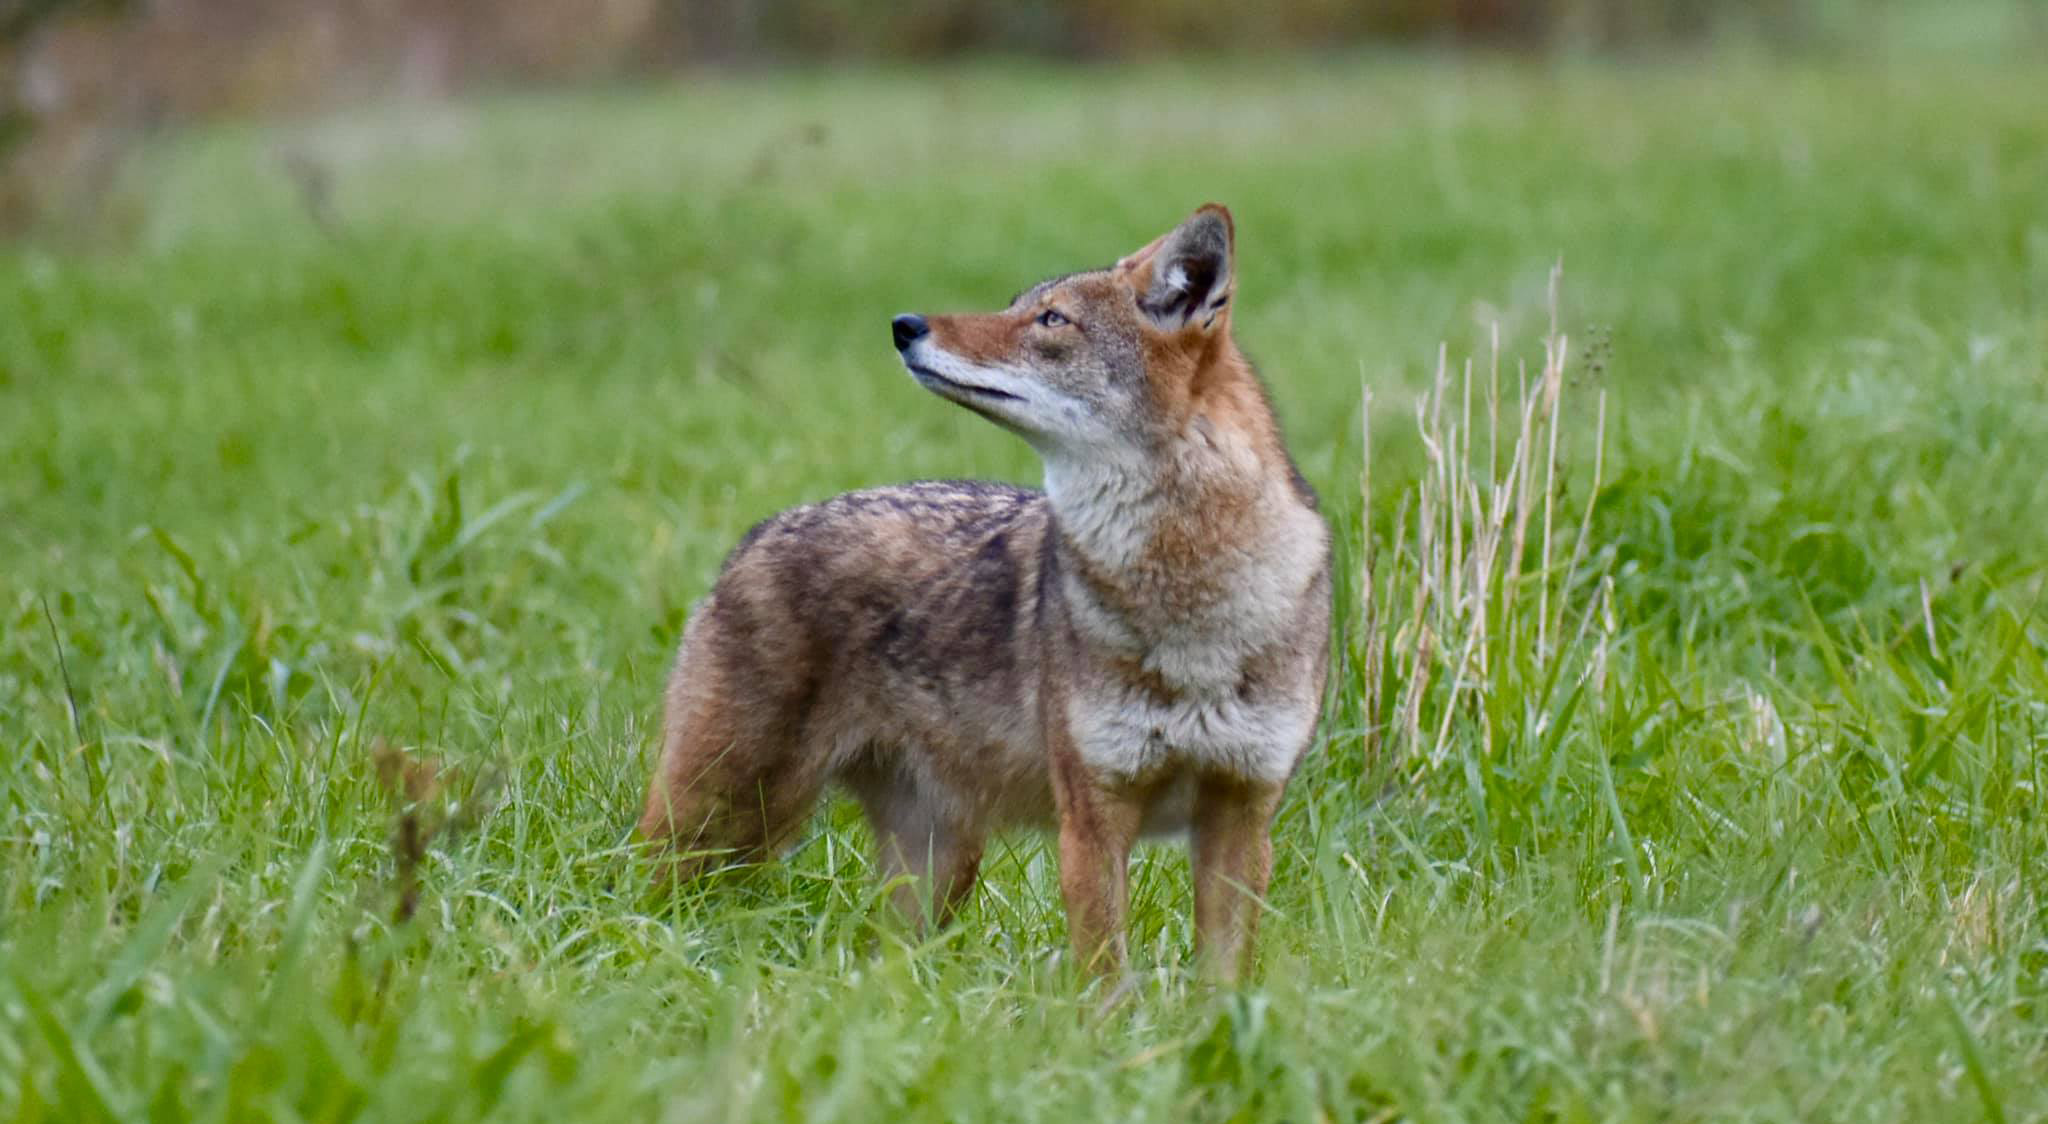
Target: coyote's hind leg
(734,781)
(925,849)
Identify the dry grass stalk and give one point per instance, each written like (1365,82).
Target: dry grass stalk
(1468,625)
(421,791)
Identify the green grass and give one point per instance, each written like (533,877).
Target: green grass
(1765,841)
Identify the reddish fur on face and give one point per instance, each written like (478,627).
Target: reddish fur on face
(990,338)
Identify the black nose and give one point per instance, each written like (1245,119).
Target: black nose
(908,329)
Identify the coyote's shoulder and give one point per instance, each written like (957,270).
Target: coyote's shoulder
(1141,646)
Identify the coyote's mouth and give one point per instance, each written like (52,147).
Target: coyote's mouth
(934,381)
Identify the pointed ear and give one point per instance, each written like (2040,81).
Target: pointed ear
(1184,277)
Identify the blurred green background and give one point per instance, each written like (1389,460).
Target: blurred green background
(83,82)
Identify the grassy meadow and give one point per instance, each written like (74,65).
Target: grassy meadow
(421,427)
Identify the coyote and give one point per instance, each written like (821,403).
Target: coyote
(1140,648)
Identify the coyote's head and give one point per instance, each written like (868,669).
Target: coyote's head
(1096,362)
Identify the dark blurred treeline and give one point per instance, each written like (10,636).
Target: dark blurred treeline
(744,29)
(81,80)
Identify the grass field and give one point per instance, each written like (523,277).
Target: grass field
(1739,818)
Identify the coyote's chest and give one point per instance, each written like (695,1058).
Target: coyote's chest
(1222,673)
(1130,733)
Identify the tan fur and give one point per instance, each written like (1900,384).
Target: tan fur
(1140,648)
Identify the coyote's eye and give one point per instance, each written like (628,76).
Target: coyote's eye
(1051,318)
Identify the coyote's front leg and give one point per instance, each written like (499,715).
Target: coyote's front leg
(1233,862)
(1098,826)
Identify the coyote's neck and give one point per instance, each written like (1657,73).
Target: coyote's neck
(1107,509)
(1164,540)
